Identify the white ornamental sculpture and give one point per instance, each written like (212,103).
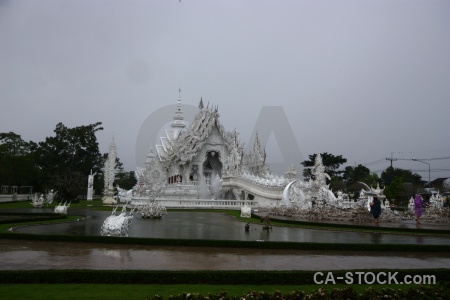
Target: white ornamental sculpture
(62,208)
(153,178)
(152,210)
(90,189)
(246,211)
(38,201)
(318,171)
(117,225)
(49,197)
(256,160)
(233,163)
(110,174)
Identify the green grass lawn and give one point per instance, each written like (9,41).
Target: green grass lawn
(131,291)
(96,204)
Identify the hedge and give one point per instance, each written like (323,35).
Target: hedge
(29,217)
(246,277)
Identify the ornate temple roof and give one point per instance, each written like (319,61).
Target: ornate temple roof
(172,134)
(190,142)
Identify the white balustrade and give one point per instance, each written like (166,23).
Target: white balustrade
(197,203)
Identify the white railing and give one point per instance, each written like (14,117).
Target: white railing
(16,197)
(265,191)
(197,203)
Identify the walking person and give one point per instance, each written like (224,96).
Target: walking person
(418,203)
(375,209)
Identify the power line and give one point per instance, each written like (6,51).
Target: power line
(391,159)
(436,158)
(374,162)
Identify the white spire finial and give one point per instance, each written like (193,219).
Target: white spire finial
(178,118)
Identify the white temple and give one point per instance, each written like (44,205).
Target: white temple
(205,162)
(204,166)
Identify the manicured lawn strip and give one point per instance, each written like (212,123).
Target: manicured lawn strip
(8,218)
(210,277)
(52,219)
(96,204)
(134,291)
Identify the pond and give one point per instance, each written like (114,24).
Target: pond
(218,226)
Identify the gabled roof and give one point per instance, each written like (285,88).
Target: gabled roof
(170,134)
(165,143)
(162,154)
(190,142)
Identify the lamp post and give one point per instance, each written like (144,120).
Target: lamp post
(429,171)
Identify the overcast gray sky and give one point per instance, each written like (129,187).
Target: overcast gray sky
(361,79)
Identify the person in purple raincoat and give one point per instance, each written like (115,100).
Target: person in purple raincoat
(418,202)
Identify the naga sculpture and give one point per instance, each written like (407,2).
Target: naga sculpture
(62,208)
(117,225)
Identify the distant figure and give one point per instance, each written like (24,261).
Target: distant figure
(266,221)
(418,203)
(247,227)
(375,209)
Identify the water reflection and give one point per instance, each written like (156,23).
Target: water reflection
(33,255)
(205,225)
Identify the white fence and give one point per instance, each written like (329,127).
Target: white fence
(197,203)
(15,197)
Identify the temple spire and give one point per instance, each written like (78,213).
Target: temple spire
(178,118)
(200,105)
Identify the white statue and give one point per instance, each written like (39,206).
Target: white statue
(110,173)
(124,195)
(411,204)
(90,189)
(152,210)
(246,211)
(318,171)
(117,225)
(38,201)
(49,197)
(62,208)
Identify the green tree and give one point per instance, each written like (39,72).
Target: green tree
(372,179)
(337,184)
(17,166)
(331,163)
(359,174)
(394,189)
(126,180)
(408,177)
(67,158)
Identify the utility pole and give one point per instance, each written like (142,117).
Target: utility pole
(391,159)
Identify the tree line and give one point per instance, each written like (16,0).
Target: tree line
(61,162)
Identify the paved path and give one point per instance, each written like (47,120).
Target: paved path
(35,255)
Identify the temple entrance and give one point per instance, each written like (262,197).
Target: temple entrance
(212,164)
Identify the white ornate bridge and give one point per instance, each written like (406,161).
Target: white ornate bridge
(263,193)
